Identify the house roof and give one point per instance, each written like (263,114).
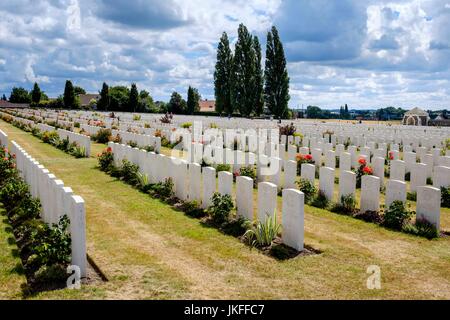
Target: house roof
(416,111)
(86,98)
(207,105)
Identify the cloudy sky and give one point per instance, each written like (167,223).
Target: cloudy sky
(367,54)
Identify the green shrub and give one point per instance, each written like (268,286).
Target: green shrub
(422,228)
(396,216)
(308,188)
(106,160)
(102,136)
(248,171)
(429,180)
(77,151)
(186,125)
(193,209)
(128,172)
(132,144)
(143,182)
(136,117)
(408,176)
(222,167)
(347,205)
(411,196)
(221,207)
(50,137)
(76,125)
(263,233)
(320,201)
(149,148)
(164,190)
(445,197)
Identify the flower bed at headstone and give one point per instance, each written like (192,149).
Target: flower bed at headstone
(362,170)
(45,250)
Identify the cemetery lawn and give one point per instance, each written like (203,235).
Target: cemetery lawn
(11,275)
(150,251)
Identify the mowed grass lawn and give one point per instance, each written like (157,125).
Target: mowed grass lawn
(150,251)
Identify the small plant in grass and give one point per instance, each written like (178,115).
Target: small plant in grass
(149,148)
(136,117)
(408,176)
(429,180)
(221,207)
(347,205)
(186,125)
(320,200)
(396,216)
(76,125)
(308,188)
(212,125)
(193,209)
(445,197)
(411,196)
(102,136)
(263,233)
(422,228)
(76,151)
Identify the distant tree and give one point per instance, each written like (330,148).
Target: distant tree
(341,112)
(19,95)
(69,95)
(146,103)
(134,98)
(103,102)
(243,78)
(36,94)
(79,90)
(119,98)
(193,98)
(313,112)
(4,97)
(177,104)
(276,91)
(346,112)
(222,76)
(258,90)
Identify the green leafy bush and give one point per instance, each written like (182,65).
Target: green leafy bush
(422,228)
(164,190)
(308,188)
(222,167)
(106,160)
(102,136)
(193,209)
(248,171)
(128,172)
(445,197)
(320,201)
(347,205)
(262,234)
(49,136)
(221,207)
(396,216)
(411,196)
(186,125)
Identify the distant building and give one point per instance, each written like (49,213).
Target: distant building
(440,121)
(207,105)
(85,99)
(416,117)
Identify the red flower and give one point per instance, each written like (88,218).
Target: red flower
(109,149)
(308,157)
(362,161)
(391,155)
(367,170)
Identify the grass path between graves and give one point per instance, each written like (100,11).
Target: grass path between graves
(150,251)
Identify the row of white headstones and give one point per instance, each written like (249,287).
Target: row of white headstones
(56,199)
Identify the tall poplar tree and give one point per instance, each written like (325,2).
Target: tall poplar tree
(276,91)
(243,72)
(258,81)
(36,93)
(134,98)
(69,95)
(193,98)
(103,102)
(222,76)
